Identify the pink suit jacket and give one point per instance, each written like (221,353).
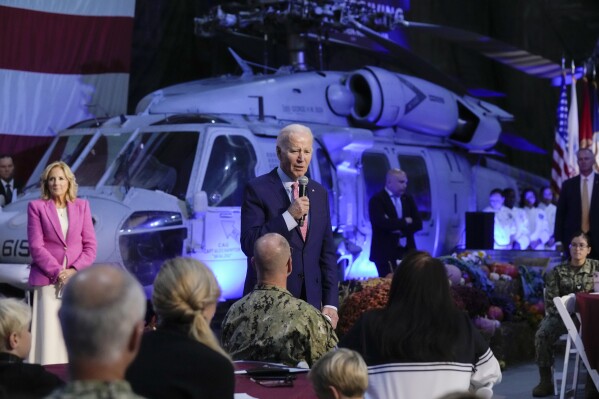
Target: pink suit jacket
(47,244)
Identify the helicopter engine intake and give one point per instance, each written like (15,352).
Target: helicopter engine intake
(385,99)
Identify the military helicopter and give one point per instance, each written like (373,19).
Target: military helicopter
(169,180)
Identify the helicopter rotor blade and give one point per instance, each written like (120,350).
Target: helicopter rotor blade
(530,64)
(424,69)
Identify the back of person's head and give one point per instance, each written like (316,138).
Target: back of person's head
(102,306)
(15,318)
(420,282)
(271,254)
(420,318)
(183,289)
(343,371)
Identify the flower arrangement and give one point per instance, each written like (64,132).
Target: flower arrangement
(491,292)
(471,265)
(532,303)
(369,294)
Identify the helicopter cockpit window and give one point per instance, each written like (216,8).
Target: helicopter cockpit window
(99,158)
(374,170)
(157,161)
(69,148)
(232,164)
(419,184)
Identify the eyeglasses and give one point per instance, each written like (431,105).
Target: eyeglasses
(577,246)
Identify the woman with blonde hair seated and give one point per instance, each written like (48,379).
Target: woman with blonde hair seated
(340,374)
(182,358)
(19,379)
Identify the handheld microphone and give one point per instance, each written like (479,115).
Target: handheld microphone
(303,186)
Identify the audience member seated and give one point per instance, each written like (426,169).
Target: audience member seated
(547,204)
(340,374)
(270,324)
(102,319)
(521,240)
(505,224)
(18,379)
(536,220)
(182,358)
(574,275)
(421,345)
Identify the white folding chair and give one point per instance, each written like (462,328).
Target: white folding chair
(560,375)
(564,307)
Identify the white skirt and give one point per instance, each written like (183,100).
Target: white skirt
(47,344)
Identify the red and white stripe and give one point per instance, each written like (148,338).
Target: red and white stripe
(559,168)
(62,62)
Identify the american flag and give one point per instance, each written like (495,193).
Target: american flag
(559,169)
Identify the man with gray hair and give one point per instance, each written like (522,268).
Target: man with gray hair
(102,319)
(273,203)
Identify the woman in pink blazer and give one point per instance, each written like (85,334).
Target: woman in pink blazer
(62,240)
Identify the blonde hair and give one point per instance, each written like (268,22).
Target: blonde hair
(343,369)
(71,191)
(15,316)
(182,290)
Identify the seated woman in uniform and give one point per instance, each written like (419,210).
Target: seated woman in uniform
(574,275)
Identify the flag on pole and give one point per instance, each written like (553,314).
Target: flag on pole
(559,167)
(573,130)
(586,127)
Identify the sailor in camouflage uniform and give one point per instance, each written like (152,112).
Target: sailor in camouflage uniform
(270,324)
(575,275)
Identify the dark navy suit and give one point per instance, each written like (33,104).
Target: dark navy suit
(314,261)
(569,213)
(386,228)
(3,190)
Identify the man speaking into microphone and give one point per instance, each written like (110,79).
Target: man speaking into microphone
(285,201)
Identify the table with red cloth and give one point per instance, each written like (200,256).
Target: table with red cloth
(301,389)
(587,305)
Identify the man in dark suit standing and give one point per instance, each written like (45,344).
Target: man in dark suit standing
(8,188)
(394,218)
(271,205)
(578,205)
